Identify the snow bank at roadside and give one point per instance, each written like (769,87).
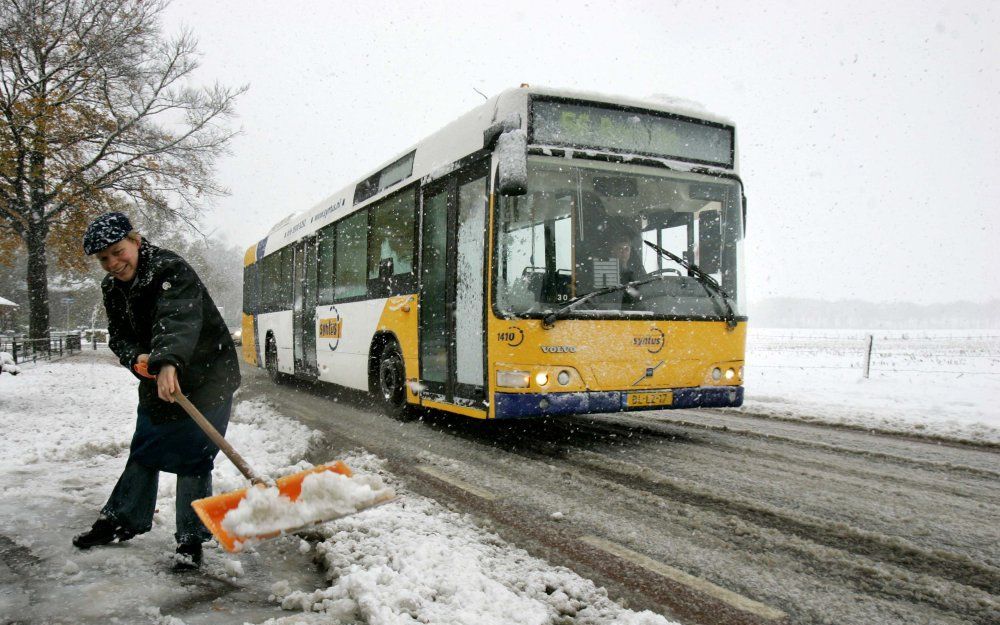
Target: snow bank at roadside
(273,444)
(415,561)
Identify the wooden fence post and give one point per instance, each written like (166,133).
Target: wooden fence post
(868,356)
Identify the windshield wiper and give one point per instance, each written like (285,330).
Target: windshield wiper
(549,320)
(712,287)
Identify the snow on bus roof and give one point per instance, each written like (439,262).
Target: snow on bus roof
(435,154)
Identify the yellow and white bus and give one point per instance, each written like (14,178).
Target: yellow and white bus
(548,253)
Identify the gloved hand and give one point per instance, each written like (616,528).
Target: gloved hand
(141,366)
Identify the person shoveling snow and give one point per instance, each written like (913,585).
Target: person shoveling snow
(165,328)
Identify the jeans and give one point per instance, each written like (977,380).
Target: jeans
(133,502)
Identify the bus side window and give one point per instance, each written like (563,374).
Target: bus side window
(391,244)
(327,247)
(351,246)
(287,273)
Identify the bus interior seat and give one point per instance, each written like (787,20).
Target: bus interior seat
(557,287)
(547,287)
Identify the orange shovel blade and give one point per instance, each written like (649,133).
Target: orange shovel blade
(211,510)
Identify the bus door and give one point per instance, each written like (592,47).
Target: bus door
(304,285)
(452,287)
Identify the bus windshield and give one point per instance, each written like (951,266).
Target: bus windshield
(580,228)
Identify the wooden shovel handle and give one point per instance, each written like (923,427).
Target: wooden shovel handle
(217,438)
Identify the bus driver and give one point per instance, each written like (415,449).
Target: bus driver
(620,245)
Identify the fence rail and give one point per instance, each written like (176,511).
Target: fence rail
(31,350)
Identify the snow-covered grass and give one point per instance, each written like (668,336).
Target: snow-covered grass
(67,427)
(944,384)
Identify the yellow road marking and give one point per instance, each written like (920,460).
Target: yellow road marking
(457,483)
(705,587)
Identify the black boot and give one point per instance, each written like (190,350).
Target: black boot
(188,557)
(104,531)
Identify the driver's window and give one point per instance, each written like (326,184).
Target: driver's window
(674,238)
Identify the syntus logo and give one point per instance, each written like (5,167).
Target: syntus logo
(332,328)
(653,342)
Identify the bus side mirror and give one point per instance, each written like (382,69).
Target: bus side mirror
(710,241)
(511,143)
(512,169)
(507,124)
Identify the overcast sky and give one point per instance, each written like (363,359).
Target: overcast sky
(869,132)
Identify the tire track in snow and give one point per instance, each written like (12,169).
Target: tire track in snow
(956,567)
(876,564)
(620,423)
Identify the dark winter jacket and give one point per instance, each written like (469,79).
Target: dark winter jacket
(166,312)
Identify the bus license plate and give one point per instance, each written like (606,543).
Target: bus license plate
(645,400)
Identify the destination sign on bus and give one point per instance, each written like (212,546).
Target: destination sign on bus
(592,126)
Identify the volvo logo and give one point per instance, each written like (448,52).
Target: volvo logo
(653,342)
(559,349)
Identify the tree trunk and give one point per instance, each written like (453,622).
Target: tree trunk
(38,281)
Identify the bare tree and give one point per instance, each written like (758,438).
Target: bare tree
(96,113)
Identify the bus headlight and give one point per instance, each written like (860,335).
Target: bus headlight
(730,374)
(716,374)
(542,378)
(513,379)
(563,377)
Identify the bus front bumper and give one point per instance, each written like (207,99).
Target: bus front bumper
(514,405)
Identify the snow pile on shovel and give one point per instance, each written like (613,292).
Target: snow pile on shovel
(325,495)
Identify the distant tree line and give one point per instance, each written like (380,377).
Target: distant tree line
(787,312)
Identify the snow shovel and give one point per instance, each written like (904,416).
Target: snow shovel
(212,510)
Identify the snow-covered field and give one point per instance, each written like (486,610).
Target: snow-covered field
(937,383)
(66,428)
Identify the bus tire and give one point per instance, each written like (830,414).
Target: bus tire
(271,360)
(390,384)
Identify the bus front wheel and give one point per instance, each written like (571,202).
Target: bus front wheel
(391,384)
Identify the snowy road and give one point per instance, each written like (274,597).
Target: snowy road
(702,516)
(823,524)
